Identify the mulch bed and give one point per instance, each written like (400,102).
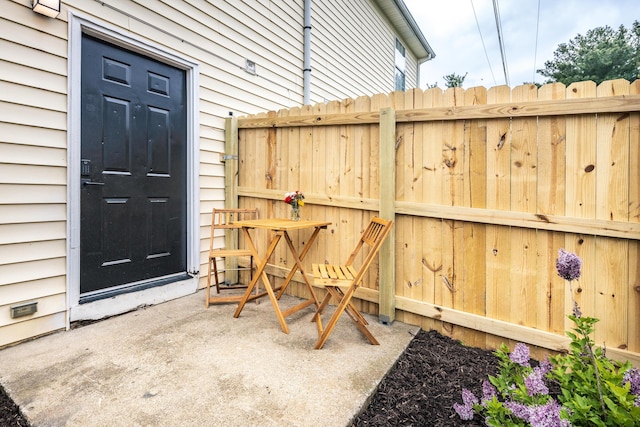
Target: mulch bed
(426,381)
(420,389)
(10,415)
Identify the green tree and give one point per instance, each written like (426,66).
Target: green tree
(454,80)
(602,54)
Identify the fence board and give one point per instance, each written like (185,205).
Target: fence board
(612,195)
(523,279)
(612,168)
(409,282)
(580,194)
(550,301)
(498,197)
(633,282)
(475,196)
(448,292)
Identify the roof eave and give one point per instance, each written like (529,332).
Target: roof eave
(403,22)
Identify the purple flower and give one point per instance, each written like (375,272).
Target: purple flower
(568,265)
(520,355)
(468,398)
(535,382)
(632,376)
(519,410)
(576,310)
(547,415)
(546,366)
(488,392)
(465,411)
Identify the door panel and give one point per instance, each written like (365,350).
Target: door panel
(133,192)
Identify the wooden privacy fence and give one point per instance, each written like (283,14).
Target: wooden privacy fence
(485,187)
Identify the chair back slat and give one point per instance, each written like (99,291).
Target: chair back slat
(222,219)
(373,236)
(373,232)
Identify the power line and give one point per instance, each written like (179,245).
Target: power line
(496,12)
(483,46)
(535,50)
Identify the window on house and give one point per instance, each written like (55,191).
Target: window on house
(401,65)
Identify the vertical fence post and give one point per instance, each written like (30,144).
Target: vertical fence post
(387,293)
(230,159)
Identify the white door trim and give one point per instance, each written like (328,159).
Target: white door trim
(79,25)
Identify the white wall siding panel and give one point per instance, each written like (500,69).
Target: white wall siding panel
(32,251)
(25,291)
(30,135)
(360,63)
(27,174)
(31,232)
(31,328)
(33,194)
(33,158)
(28,214)
(33,116)
(31,270)
(33,97)
(412,71)
(33,77)
(12,52)
(32,155)
(47,305)
(32,38)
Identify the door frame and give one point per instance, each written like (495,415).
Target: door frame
(78,26)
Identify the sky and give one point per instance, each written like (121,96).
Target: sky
(452,32)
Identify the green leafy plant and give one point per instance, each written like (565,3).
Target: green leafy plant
(589,389)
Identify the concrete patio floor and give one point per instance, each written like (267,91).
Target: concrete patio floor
(178,363)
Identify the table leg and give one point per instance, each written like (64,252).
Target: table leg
(261,274)
(298,266)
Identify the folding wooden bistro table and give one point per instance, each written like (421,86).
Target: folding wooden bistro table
(281,228)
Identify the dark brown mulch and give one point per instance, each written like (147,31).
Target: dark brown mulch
(426,381)
(10,415)
(420,389)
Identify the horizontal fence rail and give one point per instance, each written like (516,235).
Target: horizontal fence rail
(485,186)
(614,104)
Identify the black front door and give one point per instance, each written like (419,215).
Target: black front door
(133,168)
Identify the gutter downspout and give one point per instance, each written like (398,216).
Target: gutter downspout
(307,54)
(420,62)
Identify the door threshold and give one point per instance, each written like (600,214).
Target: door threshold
(129,298)
(131,287)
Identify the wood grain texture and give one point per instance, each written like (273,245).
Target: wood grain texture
(483,202)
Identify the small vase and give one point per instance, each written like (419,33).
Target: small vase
(295,213)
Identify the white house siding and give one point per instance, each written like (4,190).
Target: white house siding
(218,36)
(33,158)
(362,62)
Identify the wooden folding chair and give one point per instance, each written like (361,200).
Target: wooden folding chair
(341,281)
(222,219)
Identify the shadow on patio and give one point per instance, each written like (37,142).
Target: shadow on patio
(178,363)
